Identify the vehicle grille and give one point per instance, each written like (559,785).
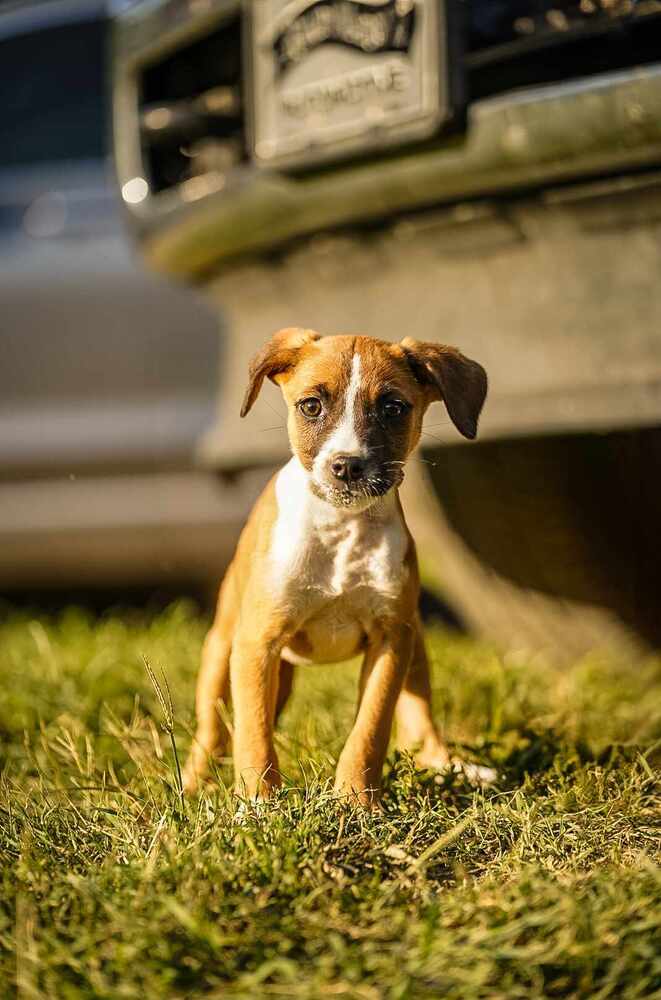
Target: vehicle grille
(191,113)
(190,108)
(530,42)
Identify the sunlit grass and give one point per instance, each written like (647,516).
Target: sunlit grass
(545,885)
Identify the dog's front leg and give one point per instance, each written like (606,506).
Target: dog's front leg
(361,761)
(254,678)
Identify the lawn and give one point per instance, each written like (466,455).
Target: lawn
(545,885)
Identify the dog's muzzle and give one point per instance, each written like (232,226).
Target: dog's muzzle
(352,482)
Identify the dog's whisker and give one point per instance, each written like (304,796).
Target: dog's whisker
(277,412)
(435,437)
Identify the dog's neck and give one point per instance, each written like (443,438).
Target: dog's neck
(334,549)
(295,493)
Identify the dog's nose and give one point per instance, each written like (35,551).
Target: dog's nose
(348,468)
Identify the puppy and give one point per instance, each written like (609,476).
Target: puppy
(326,568)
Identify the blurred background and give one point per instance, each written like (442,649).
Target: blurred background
(180,178)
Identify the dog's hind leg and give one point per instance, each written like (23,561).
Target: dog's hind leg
(213,687)
(285,685)
(416,731)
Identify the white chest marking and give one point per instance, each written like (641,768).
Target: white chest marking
(293,518)
(334,551)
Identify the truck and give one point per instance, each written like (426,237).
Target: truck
(485,174)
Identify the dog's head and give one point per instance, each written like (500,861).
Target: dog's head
(356,405)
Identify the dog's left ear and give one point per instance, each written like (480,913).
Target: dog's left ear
(456,380)
(277,356)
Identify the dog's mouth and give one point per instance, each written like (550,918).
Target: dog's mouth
(360,493)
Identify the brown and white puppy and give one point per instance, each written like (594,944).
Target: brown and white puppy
(326,568)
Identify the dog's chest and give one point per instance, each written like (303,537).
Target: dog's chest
(356,557)
(319,554)
(339,571)
(345,580)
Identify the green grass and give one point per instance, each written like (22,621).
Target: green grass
(544,886)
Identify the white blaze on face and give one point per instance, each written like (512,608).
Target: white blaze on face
(343,439)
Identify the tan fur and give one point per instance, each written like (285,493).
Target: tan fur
(321,574)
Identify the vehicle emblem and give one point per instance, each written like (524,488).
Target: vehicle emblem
(333,78)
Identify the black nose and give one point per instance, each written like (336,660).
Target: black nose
(348,468)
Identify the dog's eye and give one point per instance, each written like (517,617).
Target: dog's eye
(393,408)
(310,408)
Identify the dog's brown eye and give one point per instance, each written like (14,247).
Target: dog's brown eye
(393,408)
(310,407)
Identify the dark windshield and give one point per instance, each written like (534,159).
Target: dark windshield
(52,94)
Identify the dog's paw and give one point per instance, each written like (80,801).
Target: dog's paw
(477,774)
(435,757)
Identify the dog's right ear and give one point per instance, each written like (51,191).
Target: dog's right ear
(277,356)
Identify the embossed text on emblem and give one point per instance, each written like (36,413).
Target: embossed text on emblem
(349,88)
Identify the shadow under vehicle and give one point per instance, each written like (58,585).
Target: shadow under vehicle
(486,174)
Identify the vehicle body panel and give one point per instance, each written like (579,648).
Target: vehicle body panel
(107,371)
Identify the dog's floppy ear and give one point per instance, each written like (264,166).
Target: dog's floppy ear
(280,353)
(456,380)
